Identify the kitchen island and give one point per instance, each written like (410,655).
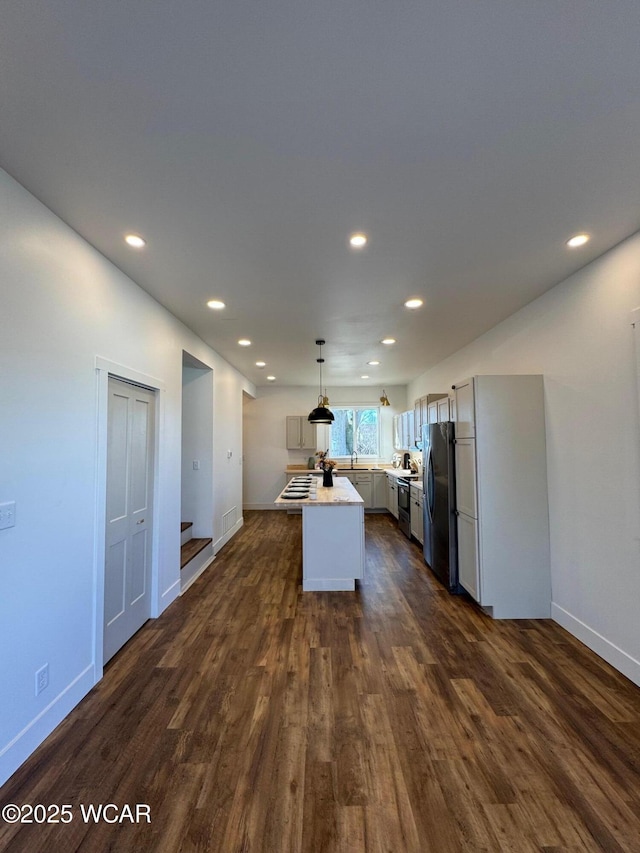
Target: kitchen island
(332,536)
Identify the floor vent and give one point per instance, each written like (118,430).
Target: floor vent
(229,519)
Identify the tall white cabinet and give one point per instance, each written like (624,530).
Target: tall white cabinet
(501,495)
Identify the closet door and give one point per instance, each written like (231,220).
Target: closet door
(130,448)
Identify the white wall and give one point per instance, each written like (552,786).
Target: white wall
(197,444)
(62,305)
(579,336)
(265,447)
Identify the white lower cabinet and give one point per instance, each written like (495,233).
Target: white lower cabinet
(417,520)
(468,555)
(379,490)
(392,495)
(363,481)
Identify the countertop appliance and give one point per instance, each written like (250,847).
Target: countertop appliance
(439,505)
(404,506)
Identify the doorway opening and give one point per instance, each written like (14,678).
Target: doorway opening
(196,527)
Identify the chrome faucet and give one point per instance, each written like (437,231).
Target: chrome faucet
(353,453)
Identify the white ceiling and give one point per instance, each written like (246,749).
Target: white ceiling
(246,140)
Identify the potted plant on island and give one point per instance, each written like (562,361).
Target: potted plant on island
(327,466)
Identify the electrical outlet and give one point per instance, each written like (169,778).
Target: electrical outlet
(42,679)
(196,464)
(7,515)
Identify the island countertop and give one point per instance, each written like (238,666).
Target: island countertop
(342,493)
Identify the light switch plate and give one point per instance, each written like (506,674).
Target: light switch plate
(7,515)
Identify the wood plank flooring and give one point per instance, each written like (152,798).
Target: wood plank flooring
(253,717)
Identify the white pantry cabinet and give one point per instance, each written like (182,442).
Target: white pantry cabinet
(301,435)
(501,495)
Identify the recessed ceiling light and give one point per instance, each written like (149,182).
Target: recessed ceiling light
(261,363)
(244,342)
(373,363)
(271,378)
(578,240)
(135,240)
(364,376)
(413,303)
(216,304)
(358,241)
(388,341)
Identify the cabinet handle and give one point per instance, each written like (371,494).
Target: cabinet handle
(141,521)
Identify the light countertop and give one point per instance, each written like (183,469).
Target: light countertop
(342,493)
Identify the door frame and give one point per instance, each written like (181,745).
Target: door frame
(106,370)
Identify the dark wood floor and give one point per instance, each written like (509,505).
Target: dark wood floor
(253,717)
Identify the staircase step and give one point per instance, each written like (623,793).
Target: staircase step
(186,531)
(191,549)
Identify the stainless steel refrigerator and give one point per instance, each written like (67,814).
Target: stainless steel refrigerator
(439,503)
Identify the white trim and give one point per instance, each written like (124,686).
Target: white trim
(16,752)
(105,369)
(170,595)
(260,506)
(121,371)
(228,535)
(617,657)
(196,575)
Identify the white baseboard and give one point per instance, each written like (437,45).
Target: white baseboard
(169,595)
(260,506)
(196,574)
(228,535)
(607,650)
(16,752)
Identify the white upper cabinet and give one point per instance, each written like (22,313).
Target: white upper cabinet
(443,410)
(301,435)
(465,409)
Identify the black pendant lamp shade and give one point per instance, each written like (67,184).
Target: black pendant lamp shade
(321,415)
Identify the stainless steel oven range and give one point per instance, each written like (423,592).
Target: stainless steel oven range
(404,506)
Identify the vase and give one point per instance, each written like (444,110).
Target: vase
(327,479)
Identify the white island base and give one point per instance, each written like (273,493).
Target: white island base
(332,537)
(332,547)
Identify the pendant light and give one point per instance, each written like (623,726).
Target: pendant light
(384,399)
(321,415)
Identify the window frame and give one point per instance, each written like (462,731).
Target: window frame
(363,407)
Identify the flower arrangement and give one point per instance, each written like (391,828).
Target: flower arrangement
(323,463)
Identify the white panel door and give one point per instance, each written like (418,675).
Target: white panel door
(127,577)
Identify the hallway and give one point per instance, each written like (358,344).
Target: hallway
(251,717)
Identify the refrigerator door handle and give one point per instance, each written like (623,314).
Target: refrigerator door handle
(430,484)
